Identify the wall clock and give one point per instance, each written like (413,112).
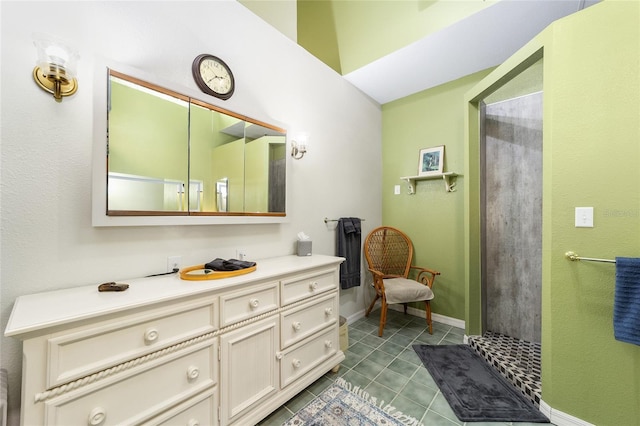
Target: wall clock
(213,76)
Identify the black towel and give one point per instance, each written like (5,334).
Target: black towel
(348,241)
(228,265)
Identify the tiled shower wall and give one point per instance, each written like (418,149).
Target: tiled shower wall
(512,185)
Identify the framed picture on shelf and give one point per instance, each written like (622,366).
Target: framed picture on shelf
(431,161)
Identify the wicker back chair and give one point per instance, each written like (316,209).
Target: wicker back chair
(389,253)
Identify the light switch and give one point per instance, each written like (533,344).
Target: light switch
(396,189)
(584,217)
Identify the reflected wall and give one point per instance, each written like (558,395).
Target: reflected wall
(169,154)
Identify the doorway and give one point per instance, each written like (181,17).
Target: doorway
(511,230)
(512,217)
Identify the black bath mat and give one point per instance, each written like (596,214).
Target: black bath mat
(474,390)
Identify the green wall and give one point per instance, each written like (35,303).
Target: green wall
(228,162)
(205,135)
(147,135)
(591,158)
(348,34)
(256,174)
(593,132)
(317,31)
(202,137)
(432,217)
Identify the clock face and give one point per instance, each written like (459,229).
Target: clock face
(213,76)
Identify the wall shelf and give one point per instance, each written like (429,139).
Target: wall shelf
(448,177)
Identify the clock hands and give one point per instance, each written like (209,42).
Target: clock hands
(218,83)
(221,79)
(212,71)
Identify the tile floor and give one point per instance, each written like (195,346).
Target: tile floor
(388,368)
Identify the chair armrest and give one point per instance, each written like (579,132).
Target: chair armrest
(379,274)
(378,280)
(425,276)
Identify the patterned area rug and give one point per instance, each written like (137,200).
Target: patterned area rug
(342,404)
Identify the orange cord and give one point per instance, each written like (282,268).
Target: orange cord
(213,275)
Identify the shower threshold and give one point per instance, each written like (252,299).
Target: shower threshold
(516,359)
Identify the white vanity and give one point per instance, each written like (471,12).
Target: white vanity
(174,352)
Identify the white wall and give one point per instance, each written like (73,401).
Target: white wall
(46,147)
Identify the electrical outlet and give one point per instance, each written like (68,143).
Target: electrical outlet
(241,254)
(173,262)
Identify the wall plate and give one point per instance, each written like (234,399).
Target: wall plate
(584,217)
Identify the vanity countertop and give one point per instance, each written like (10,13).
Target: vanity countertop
(39,312)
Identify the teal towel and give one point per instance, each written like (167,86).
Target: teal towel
(626,306)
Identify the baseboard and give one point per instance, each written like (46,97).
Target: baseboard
(454,322)
(355,317)
(559,418)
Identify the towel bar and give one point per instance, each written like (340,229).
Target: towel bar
(574,256)
(335,220)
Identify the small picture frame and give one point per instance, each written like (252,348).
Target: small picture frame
(431,161)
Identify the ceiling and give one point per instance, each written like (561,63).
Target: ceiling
(480,41)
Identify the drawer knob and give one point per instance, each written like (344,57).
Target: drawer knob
(328,344)
(97,416)
(254,303)
(328,312)
(296,363)
(151,335)
(313,286)
(296,325)
(193,373)
(193,422)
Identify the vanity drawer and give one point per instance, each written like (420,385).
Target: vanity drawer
(247,303)
(201,410)
(97,347)
(140,394)
(307,319)
(302,358)
(303,286)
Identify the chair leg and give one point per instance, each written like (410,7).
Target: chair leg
(428,314)
(405,308)
(383,316)
(366,314)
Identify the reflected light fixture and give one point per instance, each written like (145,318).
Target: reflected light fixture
(55,71)
(299,146)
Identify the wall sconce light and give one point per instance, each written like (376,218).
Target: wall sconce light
(56,67)
(299,146)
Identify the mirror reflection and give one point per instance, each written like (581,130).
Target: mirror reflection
(221,194)
(169,154)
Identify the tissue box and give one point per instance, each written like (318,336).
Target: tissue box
(304,248)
